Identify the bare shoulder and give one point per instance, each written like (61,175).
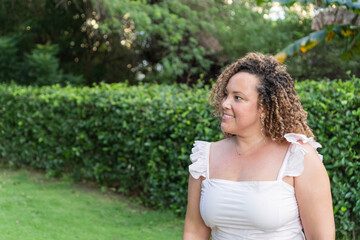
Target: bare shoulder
(311,157)
(313,194)
(221,143)
(218,150)
(282,147)
(314,169)
(219,146)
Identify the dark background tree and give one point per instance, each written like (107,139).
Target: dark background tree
(85,41)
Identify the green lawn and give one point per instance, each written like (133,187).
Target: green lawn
(32,207)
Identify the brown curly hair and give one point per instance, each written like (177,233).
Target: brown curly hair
(277,100)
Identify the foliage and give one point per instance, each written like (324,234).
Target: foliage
(64,130)
(349,32)
(164,35)
(243,30)
(43,67)
(323,60)
(68,24)
(9,59)
(334,115)
(308,42)
(39,67)
(95,37)
(138,139)
(137,41)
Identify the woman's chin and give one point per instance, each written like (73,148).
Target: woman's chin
(225,129)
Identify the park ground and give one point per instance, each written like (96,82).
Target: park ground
(34,207)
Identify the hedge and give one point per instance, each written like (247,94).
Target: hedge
(137,139)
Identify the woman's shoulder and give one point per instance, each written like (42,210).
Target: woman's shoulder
(221,143)
(301,143)
(199,146)
(199,159)
(302,154)
(202,148)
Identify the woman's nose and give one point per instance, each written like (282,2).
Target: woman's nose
(226,103)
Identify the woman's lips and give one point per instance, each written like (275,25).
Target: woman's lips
(227,117)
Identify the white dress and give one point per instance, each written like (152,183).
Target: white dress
(237,210)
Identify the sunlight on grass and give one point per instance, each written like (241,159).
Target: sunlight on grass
(35,208)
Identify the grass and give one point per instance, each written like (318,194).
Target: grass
(33,208)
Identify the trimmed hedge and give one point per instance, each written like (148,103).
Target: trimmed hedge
(138,139)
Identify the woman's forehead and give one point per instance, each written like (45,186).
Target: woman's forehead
(243,82)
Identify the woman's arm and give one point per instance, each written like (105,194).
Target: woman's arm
(313,194)
(194,227)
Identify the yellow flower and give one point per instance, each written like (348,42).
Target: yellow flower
(329,36)
(347,32)
(281,57)
(308,46)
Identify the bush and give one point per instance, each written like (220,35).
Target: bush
(334,116)
(120,136)
(43,67)
(39,67)
(9,59)
(138,139)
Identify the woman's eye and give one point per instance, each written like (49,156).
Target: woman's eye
(238,98)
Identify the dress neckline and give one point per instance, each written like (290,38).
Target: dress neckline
(279,177)
(248,183)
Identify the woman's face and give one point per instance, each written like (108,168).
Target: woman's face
(240,105)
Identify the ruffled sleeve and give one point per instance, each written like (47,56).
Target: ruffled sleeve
(295,162)
(199,166)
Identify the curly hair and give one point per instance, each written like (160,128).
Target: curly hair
(278,102)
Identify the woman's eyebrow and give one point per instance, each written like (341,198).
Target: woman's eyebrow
(236,92)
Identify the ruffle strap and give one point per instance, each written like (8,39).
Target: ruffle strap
(199,160)
(295,163)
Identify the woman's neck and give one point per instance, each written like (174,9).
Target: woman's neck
(246,145)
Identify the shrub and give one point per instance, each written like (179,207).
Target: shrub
(138,139)
(43,66)
(39,67)
(9,59)
(334,115)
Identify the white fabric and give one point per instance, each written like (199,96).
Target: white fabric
(251,210)
(199,159)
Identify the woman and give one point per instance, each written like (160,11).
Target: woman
(265,180)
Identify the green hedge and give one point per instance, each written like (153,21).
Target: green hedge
(138,139)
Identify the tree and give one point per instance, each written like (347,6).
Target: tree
(342,19)
(160,41)
(63,23)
